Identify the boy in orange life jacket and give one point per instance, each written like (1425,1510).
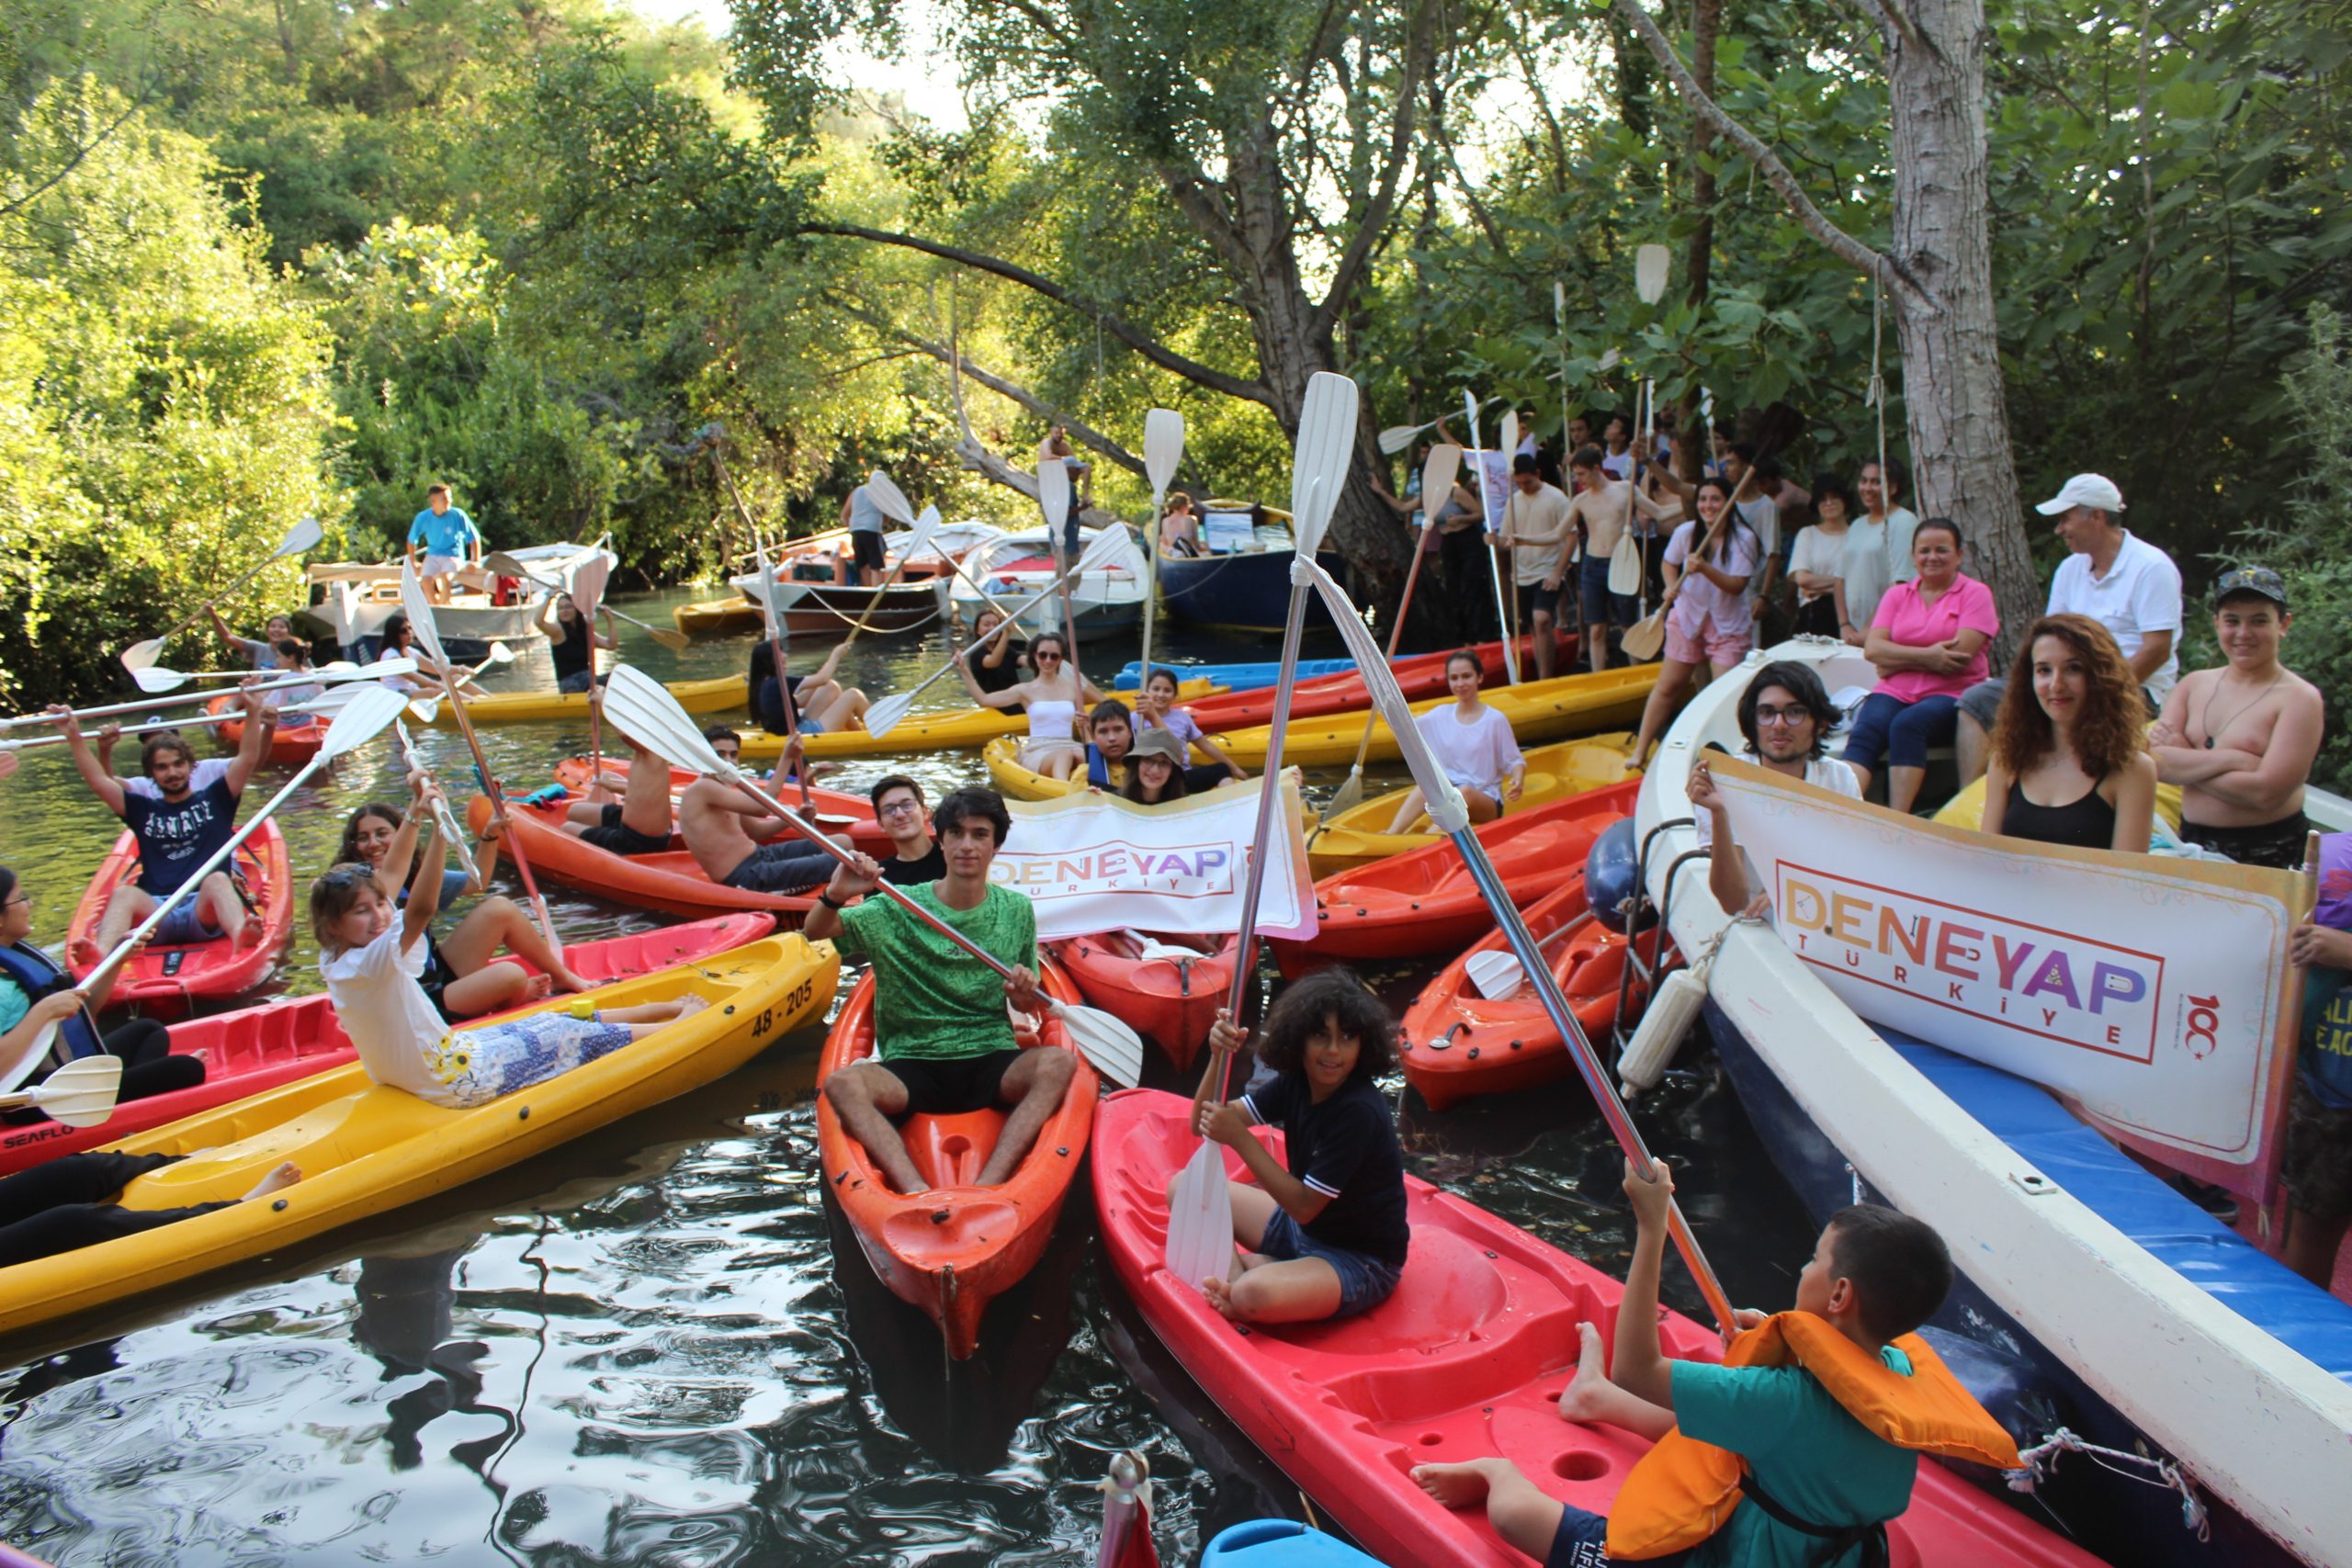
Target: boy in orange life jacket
(1797,1418)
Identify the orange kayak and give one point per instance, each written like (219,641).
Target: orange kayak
(1459,1041)
(955,1247)
(1425,902)
(293,743)
(167,979)
(836,811)
(1161,987)
(671,881)
(1418,676)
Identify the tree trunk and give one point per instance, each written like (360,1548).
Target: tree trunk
(1949,341)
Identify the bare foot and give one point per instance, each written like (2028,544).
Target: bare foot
(1455,1485)
(692,1003)
(572,979)
(1582,1399)
(277,1181)
(1220,1295)
(538,988)
(247,934)
(82,951)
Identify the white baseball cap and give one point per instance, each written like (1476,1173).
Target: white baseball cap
(2084,489)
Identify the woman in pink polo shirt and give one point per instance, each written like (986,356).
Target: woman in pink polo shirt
(1928,639)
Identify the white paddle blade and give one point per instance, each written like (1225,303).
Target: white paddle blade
(885,715)
(587,591)
(154,678)
(926,528)
(1437,480)
(1200,1220)
(1053,493)
(643,709)
(1327,440)
(139,655)
(1115,1050)
(302,538)
(420,614)
(1649,273)
(1449,813)
(1559,304)
(1397,438)
(889,498)
(1163,447)
(81,1093)
(425,710)
(1497,974)
(1470,406)
(368,714)
(1609,360)
(1511,434)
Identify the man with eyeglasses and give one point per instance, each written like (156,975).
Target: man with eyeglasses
(915,854)
(1786,719)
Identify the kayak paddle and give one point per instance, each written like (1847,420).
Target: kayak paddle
(891,711)
(1163,448)
(1397,438)
(80,1094)
(505,565)
(362,719)
(1505,568)
(304,538)
(1450,816)
(1200,1210)
(1437,487)
(1053,502)
(451,834)
(894,505)
(1470,407)
(427,710)
(645,710)
(332,701)
(375,671)
(420,620)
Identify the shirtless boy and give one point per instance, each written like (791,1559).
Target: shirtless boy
(1600,512)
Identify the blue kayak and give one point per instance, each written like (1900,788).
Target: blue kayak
(1279,1543)
(1233,677)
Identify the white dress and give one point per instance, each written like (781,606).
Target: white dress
(1050,728)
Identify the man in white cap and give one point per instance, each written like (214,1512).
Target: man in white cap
(2124,583)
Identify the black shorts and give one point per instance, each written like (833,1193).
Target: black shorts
(951,1086)
(618,836)
(437,977)
(782,868)
(2316,1169)
(1534,599)
(2279,843)
(866,544)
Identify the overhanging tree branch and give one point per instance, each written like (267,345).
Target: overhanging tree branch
(1117,325)
(1373,226)
(1864,259)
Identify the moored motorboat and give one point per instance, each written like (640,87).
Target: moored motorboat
(168,978)
(954,1246)
(1466,1360)
(364,1149)
(1240,581)
(1535,710)
(1167,988)
(260,1048)
(1425,902)
(1017,565)
(1360,835)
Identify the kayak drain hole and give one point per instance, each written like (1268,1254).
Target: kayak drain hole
(1580,1465)
(1431,1440)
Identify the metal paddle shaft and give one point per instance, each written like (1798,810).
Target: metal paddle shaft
(1450,816)
(1470,406)
(303,538)
(377,670)
(1163,448)
(445,818)
(924,528)
(1437,485)
(774,625)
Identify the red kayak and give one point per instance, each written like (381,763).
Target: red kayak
(955,1246)
(1162,987)
(1459,1041)
(1418,676)
(1424,901)
(292,743)
(167,979)
(260,1048)
(1465,1360)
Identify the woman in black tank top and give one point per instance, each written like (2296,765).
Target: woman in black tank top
(2072,731)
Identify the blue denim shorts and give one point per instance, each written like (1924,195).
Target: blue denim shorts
(186,924)
(1365,1281)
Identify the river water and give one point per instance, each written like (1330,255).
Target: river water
(640,1348)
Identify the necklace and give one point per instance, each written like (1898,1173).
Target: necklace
(2205,718)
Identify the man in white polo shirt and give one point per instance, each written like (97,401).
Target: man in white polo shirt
(2124,583)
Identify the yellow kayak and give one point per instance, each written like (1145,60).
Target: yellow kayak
(1966,809)
(714,695)
(1537,710)
(1016,783)
(718,617)
(921,732)
(364,1149)
(1360,835)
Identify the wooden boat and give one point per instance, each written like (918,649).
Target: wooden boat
(718,617)
(168,978)
(954,1247)
(1466,1360)
(292,744)
(1458,1042)
(1014,565)
(1419,676)
(1245,589)
(916,732)
(815,590)
(1359,835)
(364,1149)
(1536,710)
(1425,902)
(672,881)
(1165,987)
(277,1042)
(720,693)
(360,597)
(2093,1295)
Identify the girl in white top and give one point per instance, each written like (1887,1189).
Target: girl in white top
(1878,549)
(1474,746)
(1817,563)
(370,954)
(1053,698)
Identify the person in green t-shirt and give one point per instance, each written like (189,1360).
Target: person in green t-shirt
(942,1043)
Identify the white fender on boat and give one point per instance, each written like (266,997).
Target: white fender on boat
(1664,1024)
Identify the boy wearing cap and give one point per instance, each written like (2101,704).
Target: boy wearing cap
(2124,583)
(2240,740)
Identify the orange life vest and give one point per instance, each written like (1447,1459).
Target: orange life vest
(1683,1491)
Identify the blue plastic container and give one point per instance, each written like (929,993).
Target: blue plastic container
(1279,1543)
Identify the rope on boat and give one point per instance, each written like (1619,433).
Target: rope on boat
(2041,1460)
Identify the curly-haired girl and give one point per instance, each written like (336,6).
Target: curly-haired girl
(2070,756)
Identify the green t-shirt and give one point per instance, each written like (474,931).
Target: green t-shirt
(930,998)
(1817,1461)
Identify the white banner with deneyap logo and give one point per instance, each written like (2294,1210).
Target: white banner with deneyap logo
(1095,862)
(2150,991)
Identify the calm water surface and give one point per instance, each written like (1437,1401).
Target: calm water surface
(638,1349)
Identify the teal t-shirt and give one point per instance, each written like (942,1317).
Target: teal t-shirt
(2325,1061)
(1817,1461)
(930,998)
